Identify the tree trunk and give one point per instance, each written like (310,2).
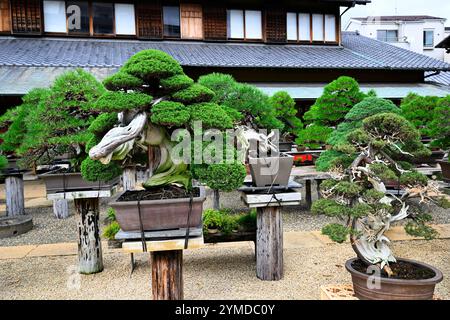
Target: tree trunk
(15,205)
(129,178)
(216,199)
(167,275)
(61,208)
(269,248)
(89,242)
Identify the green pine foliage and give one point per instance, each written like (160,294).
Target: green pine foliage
(3,162)
(111,230)
(440,124)
(249,101)
(118,101)
(286,111)
(103,123)
(225,177)
(336,232)
(176,83)
(332,159)
(122,81)
(195,93)
(93,170)
(419,111)
(211,115)
(337,99)
(170,113)
(313,136)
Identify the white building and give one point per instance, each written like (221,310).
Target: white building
(417,33)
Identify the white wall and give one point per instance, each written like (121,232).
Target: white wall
(410,34)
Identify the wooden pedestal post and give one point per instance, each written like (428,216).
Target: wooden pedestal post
(167,275)
(89,242)
(14,196)
(308,195)
(129,178)
(269,244)
(61,208)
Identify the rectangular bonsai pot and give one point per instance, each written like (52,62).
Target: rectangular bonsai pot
(61,182)
(159,214)
(271,171)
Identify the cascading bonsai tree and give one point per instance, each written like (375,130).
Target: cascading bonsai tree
(286,111)
(359,197)
(329,110)
(149,99)
(353,120)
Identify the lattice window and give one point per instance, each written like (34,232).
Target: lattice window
(275,25)
(214,23)
(26,16)
(149,20)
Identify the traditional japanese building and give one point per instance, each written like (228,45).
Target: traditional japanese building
(293,45)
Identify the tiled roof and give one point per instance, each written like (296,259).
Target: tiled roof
(398,18)
(441,78)
(357,52)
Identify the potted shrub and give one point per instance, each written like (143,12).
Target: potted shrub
(286,111)
(159,108)
(359,197)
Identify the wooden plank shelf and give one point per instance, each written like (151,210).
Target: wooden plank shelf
(83,194)
(159,235)
(163,245)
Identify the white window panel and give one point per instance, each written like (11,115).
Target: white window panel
(318,32)
(55,16)
(330,27)
(304,26)
(253,24)
(291,27)
(125,23)
(236,24)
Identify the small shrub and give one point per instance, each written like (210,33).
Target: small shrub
(111,230)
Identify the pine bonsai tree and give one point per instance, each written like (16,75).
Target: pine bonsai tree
(359,197)
(286,111)
(337,99)
(153,99)
(254,108)
(419,111)
(440,125)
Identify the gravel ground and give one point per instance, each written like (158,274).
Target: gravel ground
(226,273)
(47,229)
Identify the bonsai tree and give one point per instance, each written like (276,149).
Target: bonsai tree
(149,99)
(313,136)
(359,197)
(440,124)
(286,111)
(254,108)
(420,112)
(337,99)
(353,120)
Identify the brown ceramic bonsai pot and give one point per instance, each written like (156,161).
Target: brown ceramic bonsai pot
(271,171)
(394,289)
(445,167)
(61,182)
(159,214)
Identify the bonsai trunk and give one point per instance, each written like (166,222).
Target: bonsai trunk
(216,199)
(14,196)
(89,242)
(61,208)
(129,178)
(167,275)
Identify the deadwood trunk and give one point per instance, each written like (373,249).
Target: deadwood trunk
(61,208)
(167,275)
(89,242)
(269,244)
(129,178)
(14,196)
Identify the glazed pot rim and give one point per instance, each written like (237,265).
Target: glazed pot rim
(438,276)
(200,198)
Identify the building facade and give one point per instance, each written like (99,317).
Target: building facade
(292,45)
(416,33)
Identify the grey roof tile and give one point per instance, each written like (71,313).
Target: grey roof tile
(356,52)
(441,78)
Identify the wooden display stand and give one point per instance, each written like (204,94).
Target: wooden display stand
(269,234)
(90,256)
(15,201)
(166,248)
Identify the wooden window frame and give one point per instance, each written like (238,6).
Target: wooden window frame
(311,29)
(245,39)
(162,20)
(91,33)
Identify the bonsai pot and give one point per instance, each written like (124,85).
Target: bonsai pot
(445,167)
(285,146)
(394,289)
(61,182)
(271,171)
(161,214)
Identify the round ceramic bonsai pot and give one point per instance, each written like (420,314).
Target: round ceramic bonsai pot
(394,289)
